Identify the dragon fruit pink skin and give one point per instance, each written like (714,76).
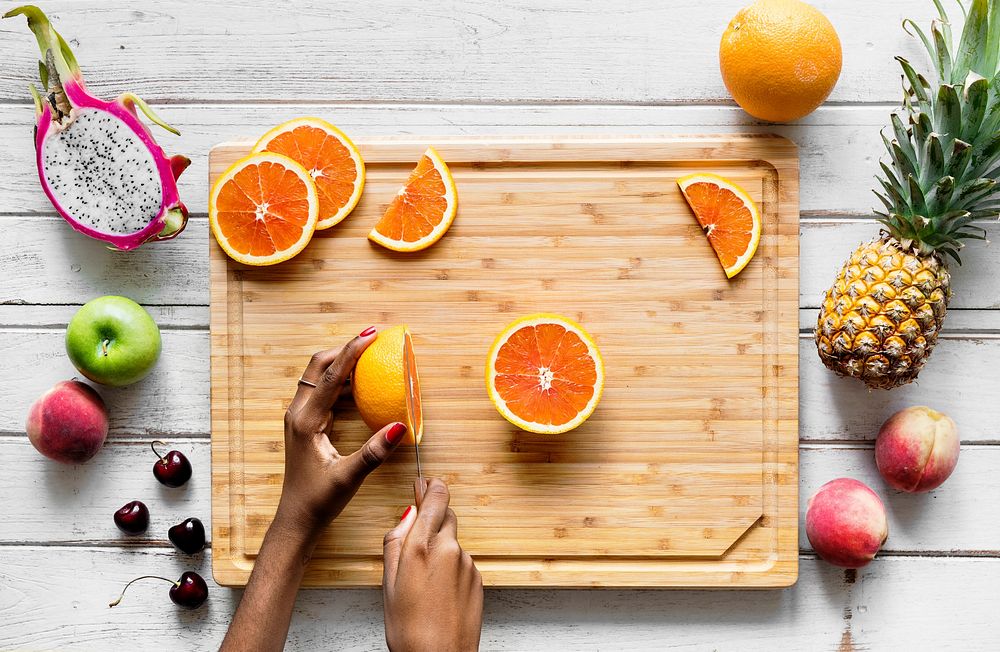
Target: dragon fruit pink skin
(97,162)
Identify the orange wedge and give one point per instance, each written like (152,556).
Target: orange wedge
(263,209)
(544,374)
(333,162)
(730,219)
(423,209)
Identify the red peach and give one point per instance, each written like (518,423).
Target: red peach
(846,523)
(68,423)
(917,449)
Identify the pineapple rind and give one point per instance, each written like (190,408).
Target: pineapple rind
(881,318)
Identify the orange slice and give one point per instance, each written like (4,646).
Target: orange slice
(333,162)
(386,386)
(728,216)
(263,209)
(422,210)
(544,374)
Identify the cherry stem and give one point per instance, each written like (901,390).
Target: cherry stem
(144,577)
(153,446)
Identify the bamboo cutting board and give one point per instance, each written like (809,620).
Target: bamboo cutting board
(686,474)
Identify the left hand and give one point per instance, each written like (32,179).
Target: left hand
(319,481)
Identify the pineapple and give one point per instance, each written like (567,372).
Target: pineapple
(881,318)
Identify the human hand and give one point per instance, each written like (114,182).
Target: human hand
(432,591)
(319,481)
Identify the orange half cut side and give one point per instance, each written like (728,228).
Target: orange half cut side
(263,209)
(414,411)
(545,374)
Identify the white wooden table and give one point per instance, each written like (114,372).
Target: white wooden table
(219,70)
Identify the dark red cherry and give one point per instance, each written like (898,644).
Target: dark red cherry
(188,536)
(189,591)
(132,518)
(172,469)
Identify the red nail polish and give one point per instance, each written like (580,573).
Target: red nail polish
(406,513)
(395,433)
(368,331)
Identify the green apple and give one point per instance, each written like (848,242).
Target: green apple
(113,341)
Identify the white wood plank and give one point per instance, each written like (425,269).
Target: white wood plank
(475,50)
(960,380)
(56,504)
(839,146)
(22,315)
(952,519)
(46,262)
(56,597)
(174,398)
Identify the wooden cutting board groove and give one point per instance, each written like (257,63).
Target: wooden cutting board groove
(686,475)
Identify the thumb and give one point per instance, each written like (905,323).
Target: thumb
(375,451)
(392,547)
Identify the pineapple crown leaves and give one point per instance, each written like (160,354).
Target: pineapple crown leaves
(943,171)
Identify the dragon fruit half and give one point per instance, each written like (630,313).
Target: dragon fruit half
(98,163)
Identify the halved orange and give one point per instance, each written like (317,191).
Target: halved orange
(730,219)
(386,386)
(423,209)
(263,209)
(332,160)
(544,374)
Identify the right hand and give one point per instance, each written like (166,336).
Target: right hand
(432,591)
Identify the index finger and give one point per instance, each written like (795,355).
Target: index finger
(432,510)
(332,381)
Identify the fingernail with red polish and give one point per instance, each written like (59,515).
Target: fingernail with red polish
(395,433)
(406,513)
(368,331)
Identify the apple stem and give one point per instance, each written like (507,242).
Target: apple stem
(144,577)
(153,446)
(104,347)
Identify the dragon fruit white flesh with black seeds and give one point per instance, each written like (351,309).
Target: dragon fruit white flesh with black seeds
(97,162)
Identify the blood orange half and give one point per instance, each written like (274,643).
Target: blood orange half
(544,374)
(263,209)
(728,216)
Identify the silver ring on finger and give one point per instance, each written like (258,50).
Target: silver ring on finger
(303,381)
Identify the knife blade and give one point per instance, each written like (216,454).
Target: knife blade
(416,450)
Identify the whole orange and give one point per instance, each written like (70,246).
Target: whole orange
(780,59)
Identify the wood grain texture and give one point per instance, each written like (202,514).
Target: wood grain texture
(468,50)
(882,607)
(674,446)
(48,503)
(839,146)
